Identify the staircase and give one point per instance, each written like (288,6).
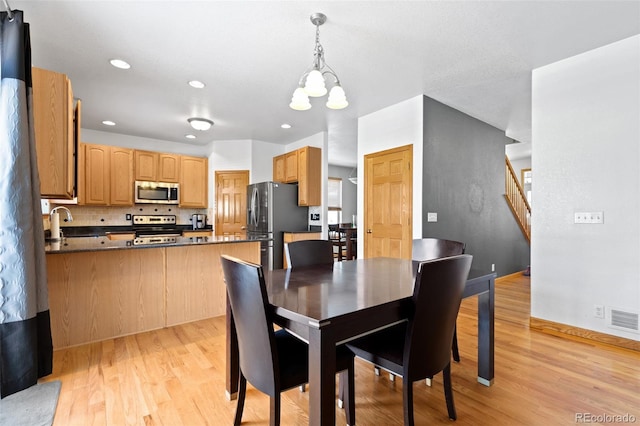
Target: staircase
(517,200)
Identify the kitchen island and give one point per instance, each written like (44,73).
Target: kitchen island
(101,288)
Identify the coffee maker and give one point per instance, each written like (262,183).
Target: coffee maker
(199,221)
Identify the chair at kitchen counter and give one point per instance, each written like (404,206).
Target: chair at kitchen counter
(421,347)
(339,241)
(271,361)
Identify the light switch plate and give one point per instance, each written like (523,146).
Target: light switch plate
(432,217)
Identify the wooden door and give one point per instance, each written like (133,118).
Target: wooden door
(231,201)
(388,203)
(278,169)
(291,166)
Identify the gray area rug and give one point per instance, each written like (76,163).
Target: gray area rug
(34,406)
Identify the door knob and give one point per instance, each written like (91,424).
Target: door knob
(369,231)
(243,227)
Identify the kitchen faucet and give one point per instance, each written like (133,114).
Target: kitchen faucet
(54,218)
(69,217)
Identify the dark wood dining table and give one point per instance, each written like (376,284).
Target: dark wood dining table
(331,304)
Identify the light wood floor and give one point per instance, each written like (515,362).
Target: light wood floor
(175,376)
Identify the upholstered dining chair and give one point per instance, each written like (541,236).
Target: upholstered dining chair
(272,361)
(421,347)
(308,252)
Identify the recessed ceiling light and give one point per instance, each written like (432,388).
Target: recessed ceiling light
(285,126)
(200,123)
(119,63)
(108,123)
(197,84)
(190,136)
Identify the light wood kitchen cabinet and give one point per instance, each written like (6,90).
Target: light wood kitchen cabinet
(57,132)
(309,176)
(279,174)
(106,176)
(156,166)
(289,237)
(291,166)
(121,182)
(193,182)
(195,286)
(168,168)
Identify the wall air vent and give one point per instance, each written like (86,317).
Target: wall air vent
(623,320)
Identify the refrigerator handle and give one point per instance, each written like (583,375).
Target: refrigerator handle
(254,217)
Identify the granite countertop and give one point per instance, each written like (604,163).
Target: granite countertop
(99,243)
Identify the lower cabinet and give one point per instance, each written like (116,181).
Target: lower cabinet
(98,295)
(195,283)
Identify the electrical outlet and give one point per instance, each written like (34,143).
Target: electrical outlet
(588,217)
(493,267)
(598,311)
(432,217)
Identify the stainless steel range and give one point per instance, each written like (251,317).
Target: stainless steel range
(155,229)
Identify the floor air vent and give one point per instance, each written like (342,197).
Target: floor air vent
(623,320)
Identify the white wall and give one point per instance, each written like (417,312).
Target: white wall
(586,153)
(398,125)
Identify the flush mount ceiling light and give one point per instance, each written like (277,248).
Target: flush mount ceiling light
(200,123)
(312,82)
(196,84)
(119,63)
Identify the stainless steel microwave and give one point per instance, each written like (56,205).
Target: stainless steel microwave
(157,192)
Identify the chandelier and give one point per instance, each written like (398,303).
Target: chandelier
(312,82)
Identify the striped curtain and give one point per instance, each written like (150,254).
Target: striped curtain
(26,350)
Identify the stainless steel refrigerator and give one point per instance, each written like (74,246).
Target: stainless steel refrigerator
(272,208)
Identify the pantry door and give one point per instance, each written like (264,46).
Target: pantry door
(231,201)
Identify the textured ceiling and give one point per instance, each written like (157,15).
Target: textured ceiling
(475,56)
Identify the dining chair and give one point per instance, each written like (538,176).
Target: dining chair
(308,252)
(339,241)
(435,248)
(272,361)
(421,347)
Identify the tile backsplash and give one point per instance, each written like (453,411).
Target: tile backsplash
(116,216)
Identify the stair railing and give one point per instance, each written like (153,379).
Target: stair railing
(517,201)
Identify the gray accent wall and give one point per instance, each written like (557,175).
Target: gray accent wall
(463,182)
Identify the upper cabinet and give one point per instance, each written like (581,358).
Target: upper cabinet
(57,132)
(193,182)
(279,174)
(309,176)
(302,166)
(105,175)
(157,166)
